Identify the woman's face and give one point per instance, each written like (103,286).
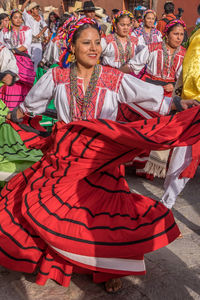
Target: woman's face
(36,11)
(5,22)
(122,28)
(52,18)
(87,48)
(149,20)
(90,14)
(175,37)
(17,19)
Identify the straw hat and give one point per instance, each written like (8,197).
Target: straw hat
(76,7)
(2,11)
(99,13)
(33,5)
(49,8)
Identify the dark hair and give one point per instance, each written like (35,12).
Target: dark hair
(63,18)
(198,9)
(3,16)
(82,28)
(53,14)
(180,12)
(174,26)
(169,7)
(115,11)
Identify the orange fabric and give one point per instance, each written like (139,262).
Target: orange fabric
(161,23)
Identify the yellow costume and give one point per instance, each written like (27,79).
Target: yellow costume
(191,69)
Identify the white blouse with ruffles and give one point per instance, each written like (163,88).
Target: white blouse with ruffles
(113,87)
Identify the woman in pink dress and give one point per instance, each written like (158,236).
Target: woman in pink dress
(18,40)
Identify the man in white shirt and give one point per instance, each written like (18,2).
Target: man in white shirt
(35,21)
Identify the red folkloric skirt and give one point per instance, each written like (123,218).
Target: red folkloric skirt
(73,209)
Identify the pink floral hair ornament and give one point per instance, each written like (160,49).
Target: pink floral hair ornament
(62,31)
(15,10)
(148,11)
(120,14)
(172,23)
(74,26)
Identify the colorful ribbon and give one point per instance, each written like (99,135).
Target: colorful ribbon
(172,23)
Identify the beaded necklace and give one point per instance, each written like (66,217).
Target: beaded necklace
(148,37)
(124,56)
(15,37)
(167,62)
(82,103)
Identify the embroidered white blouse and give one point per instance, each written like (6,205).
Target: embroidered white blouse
(156,36)
(153,57)
(14,39)
(110,52)
(112,87)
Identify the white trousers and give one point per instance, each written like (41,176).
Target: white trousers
(181,158)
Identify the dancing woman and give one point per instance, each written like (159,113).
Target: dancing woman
(18,40)
(73,209)
(14,156)
(147,33)
(53,24)
(57,46)
(119,47)
(163,60)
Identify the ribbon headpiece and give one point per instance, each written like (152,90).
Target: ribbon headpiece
(172,23)
(120,14)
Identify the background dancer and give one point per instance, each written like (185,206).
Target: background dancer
(163,60)
(147,33)
(35,21)
(18,39)
(119,47)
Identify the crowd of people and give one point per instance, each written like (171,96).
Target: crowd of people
(122,91)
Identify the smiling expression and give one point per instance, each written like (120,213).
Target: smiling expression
(87,48)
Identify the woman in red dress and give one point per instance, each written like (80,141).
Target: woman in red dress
(73,210)
(163,60)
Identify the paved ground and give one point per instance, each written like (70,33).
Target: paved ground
(173,273)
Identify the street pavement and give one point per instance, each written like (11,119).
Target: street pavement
(173,272)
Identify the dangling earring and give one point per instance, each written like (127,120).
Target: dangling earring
(72,57)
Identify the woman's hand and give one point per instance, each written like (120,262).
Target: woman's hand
(8,117)
(125,69)
(168,88)
(19,114)
(180,104)
(189,103)
(38,35)
(7,79)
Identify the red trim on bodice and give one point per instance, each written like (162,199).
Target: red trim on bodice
(110,39)
(109,79)
(162,71)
